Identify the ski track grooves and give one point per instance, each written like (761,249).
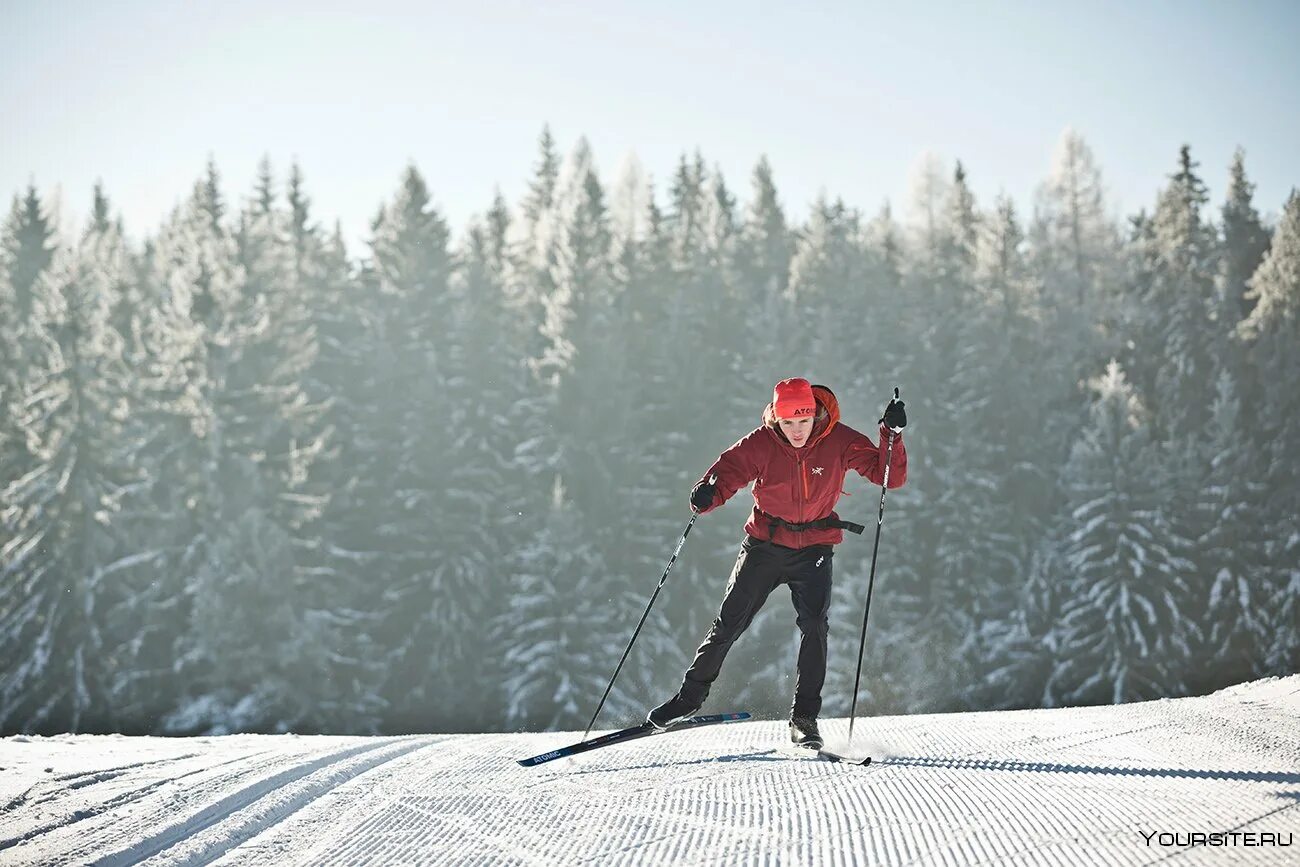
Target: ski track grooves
(84,813)
(200,848)
(1048,787)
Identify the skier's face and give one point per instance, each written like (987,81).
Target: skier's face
(797,431)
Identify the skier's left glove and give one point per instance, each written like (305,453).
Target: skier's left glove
(895,417)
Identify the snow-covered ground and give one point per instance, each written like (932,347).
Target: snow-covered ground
(1106,785)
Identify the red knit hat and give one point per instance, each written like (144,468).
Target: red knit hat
(793,398)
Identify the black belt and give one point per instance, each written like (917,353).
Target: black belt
(820,524)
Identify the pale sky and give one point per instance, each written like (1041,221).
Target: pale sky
(844,97)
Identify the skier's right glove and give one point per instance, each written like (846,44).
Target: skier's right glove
(702,496)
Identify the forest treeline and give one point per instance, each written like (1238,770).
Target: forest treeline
(251,480)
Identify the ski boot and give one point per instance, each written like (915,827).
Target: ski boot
(672,711)
(804,733)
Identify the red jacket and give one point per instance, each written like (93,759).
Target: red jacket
(801,485)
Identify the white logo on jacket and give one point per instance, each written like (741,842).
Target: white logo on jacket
(817,471)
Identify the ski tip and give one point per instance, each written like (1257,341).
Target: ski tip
(844,760)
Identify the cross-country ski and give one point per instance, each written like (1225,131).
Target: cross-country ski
(630,734)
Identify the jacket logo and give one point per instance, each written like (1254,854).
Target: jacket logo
(817,471)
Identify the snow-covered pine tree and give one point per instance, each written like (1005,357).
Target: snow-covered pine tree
(583,359)
(415,482)
(65,553)
(1074,242)
(162,347)
(1181,355)
(27,248)
(280,423)
(827,287)
(764,250)
(29,251)
(1018,379)
(200,482)
(13,445)
(590,378)
(1245,241)
(557,635)
(1123,574)
(1230,545)
(16,260)
(766,244)
(927,214)
(303,365)
(1272,332)
(1073,249)
(654,477)
(878,355)
(502,409)
(695,307)
(958,536)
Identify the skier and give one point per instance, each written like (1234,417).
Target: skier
(797,460)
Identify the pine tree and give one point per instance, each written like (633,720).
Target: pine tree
(29,253)
(413,473)
(154,523)
(766,244)
(206,347)
(1230,548)
(1273,334)
(302,281)
(559,630)
(15,454)
(827,284)
(502,411)
(194,336)
(1124,572)
(929,194)
(1181,296)
(64,555)
(1073,237)
(1245,241)
(654,476)
(541,192)
(956,542)
(1023,460)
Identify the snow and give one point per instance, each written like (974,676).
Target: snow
(1061,786)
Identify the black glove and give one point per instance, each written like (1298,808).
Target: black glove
(702,496)
(895,417)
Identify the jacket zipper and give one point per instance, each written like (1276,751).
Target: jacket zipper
(803,481)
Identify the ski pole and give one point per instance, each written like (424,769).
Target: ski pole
(644,615)
(862,644)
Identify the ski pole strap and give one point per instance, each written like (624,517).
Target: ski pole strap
(820,524)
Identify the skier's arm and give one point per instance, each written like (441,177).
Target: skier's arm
(869,459)
(734,469)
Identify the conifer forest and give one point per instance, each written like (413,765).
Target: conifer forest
(252,480)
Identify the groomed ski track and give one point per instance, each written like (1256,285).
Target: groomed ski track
(1072,786)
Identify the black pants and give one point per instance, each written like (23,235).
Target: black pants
(760,567)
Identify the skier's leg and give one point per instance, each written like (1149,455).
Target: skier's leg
(753,578)
(810,590)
